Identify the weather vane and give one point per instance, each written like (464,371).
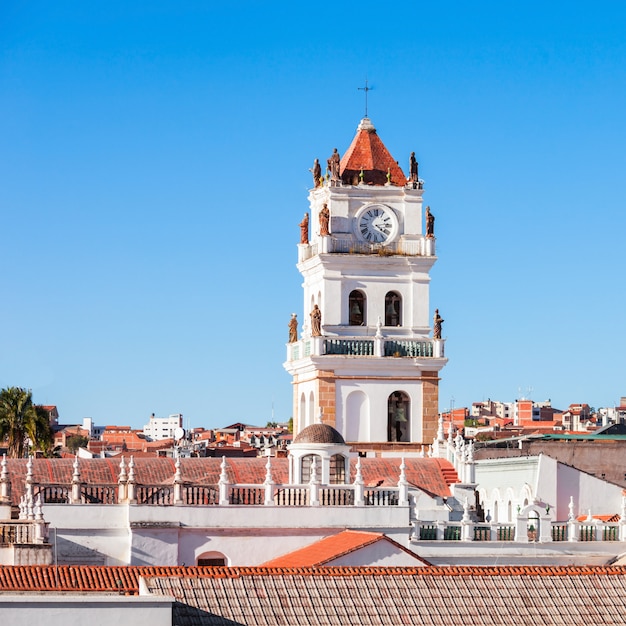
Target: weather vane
(365,89)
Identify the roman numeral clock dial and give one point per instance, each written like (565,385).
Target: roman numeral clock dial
(376,223)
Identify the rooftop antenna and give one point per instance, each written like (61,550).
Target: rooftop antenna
(365,89)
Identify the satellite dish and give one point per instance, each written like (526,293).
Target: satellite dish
(179,433)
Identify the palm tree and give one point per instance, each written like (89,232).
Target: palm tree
(20,419)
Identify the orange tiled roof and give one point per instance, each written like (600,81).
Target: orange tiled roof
(125,578)
(433,476)
(331,548)
(368,153)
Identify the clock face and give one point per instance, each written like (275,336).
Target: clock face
(376,224)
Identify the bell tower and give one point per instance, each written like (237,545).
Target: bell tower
(365,361)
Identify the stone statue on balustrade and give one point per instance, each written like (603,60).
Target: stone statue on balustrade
(316,170)
(333,165)
(293,328)
(430,224)
(316,322)
(304,229)
(324,218)
(437,322)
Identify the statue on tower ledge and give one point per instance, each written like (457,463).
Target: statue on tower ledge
(293,328)
(304,229)
(430,224)
(316,322)
(437,322)
(413,169)
(324,218)
(333,166)
(316,170)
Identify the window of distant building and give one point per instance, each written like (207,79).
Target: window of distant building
(356,308)
(393,309)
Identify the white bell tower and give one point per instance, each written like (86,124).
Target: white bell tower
(365,359)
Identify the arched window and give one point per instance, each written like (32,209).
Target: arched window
(393,309)
(356,308)
(337,469)
(305,468)
(398,417)
(211,559)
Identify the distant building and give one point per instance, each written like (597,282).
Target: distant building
(160,428)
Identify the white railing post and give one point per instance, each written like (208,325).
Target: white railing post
(75,498)
(572,524)
(359,499)
(403,486)
(122,483)
(223,484)
(466,523)
(379,340)
(178,483)
(269,483)
(132,485)
(314,485)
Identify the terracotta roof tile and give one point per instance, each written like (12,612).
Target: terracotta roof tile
(331,548)
(368,153)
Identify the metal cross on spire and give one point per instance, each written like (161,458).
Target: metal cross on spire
(365,89)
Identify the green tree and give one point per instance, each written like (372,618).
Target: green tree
(21,419)
(76,441)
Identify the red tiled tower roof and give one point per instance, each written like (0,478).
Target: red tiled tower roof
(368,153)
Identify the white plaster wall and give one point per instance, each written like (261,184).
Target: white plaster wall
(354,422)
(89,533)
(153,545)
(92,609)
(589,493)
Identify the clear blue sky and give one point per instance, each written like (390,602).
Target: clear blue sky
(154,162)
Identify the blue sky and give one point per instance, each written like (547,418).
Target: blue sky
(155,157)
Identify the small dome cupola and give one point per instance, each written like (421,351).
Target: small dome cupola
(322,443)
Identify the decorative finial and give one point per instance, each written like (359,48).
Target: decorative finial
(366,89)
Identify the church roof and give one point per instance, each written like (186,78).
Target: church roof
(319,433)
(368,153)
(430,475)
(266,596)
(326,550)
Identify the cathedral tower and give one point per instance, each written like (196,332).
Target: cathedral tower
(365,362)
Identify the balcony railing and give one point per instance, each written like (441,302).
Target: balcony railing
(571,531)
(352,347)
(346,245)
(366,347)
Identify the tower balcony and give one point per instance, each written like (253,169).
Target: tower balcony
(422,246)
(365,347)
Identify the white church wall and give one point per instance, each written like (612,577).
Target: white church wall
(93,533)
